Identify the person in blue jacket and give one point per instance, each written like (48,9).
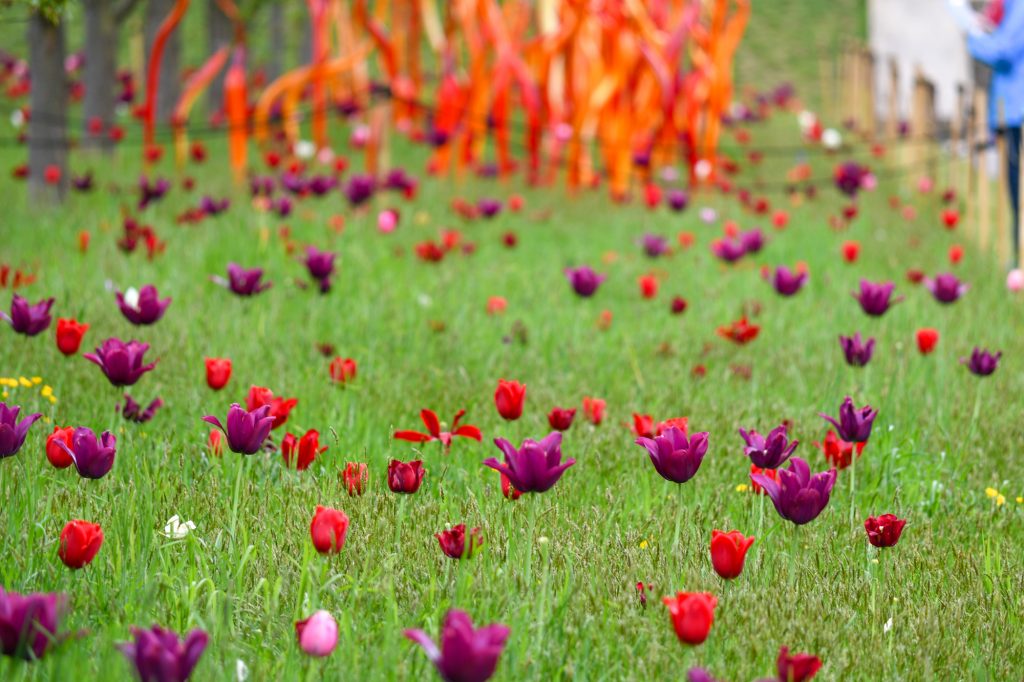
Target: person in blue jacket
(1002,48)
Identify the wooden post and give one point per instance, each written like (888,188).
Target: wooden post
(918,125)
(984,186)
(825,81)
(855,87)
(956,139)
(1004,234)
(868,90)
(892,125)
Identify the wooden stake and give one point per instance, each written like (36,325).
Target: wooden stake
(892,126)
(868,87)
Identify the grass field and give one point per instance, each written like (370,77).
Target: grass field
(558,568)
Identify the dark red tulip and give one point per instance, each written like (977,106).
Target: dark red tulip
(79,543)
(728,551)
(692,615)
(355,478)
(509,398)
(796,667)
(328,530)
(69,335)
(679,305)
(457,543)
(405,477)
(560,419)
(57,456)
(218,372)
(301,451)
(884,530)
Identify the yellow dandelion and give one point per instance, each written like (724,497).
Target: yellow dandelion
(741,488)
(643,544)
(53,401)
(991,492)
(4,394)
(46,391)
(37,380)
(1000,500)
(24,382)
(1020,500)
(4,381)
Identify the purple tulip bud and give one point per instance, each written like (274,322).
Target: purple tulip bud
(321,267)
(654,245)
(584,281)
(798,496)
(466,654)
(676,457)
(246,431)
(359,189)
(397,179)
(159,655)
(678,200)
(771,451)
(857,352)
(82,183)
(142,307)
(121,362)
(849,178)
(729,250)
(243,282)
(28,319)
(786,282)
(132,411)
(92,458)
(876,299)
(853,425)
(29,623)
(12,431)
(534,467)
(946,288)
(752,240)
(489,207)
(982,363)
(152,191)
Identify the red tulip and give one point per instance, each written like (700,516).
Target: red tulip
(51,174)
(509,398)
(69,335)
(604,320)
(328,530)
(773,474)
(508,490)
(851,250)
(678,305)
(355,478)
(927,338)
(279,407)
(302,451)
(55,453)
(780,219)
(434,432)
(594,409)
(405,477)
(740,332)
(692,614)
(456,543)
(643,425)
(218,371)
(796,667)
(561,419)
(343,370)
(728,550)
(496,305)
(950,217)
(79,542)
(956,254)
(648,286)
(216,442)
(83,240)
(884,530)
(838,452)
(915,276)
(652,195)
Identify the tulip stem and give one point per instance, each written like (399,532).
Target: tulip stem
(679,516)
(853,487)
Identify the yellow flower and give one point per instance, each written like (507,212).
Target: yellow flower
(1000,500)
(4,394)
(46,391)
(991,492)
(53,401)
(24,382)
(37,380)
(643,544)
(741,488)
(1020,500)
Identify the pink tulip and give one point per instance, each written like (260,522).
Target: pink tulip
(318,634)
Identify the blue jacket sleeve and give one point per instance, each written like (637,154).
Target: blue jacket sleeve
(1006,43)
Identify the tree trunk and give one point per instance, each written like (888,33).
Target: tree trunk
(170,67)
(275,65)
(47,128)
(219,31)
(100,72)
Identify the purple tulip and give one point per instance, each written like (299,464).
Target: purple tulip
(159,655)
(132,411)
(320,185)
(654,245)
(946,288)
(29,623)
(752,240)
(152,191)
(120,361)
(261,185)
(676,457)
(12,431)
(397,179)
(293,183)
(853,425)
(488,207)
(857,352)
(534,467)
(785,281)
(798,496)
(876,299)
(729,250)
(678,200)
(246,431)
(465,654)
(771,451)
(584,281)
(359,189)
(849,178)
(982,363)
(211,206)
(82,183)
(92,458)
(321,267)
(699,675)
(28,319)
(283,207)
(243,282)
(142,307)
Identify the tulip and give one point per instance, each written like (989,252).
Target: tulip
(465,654)
(54,453)
(29,623)
(740,332)
(405,477)
(1015,280)
(507,490)
(159,655)
(79,543)
(303,451)
(359,189)
(692,615)
(318,634)
(328,529)
(355,478)
(674,455)
(121,362)
(132,411)
(956,254)
(560,419)
(798,496)
(12,431)
(857,352)
(246,430)
(509,398)
(884,530)
(853,425)
(752,240)
(851,250)
(434,432)
(946,288)
(69,335)
(728,250)
(142,307)
(92,458)
(594,408)
(982,363)
(584,281)
(280,408)
(849,177)
(787,282)
(677,200)
(243,282)
(496,305)
(648,286)
(321,267)
(728,551)
(876,299)
(796,667)
(926,340)
(643,425)
(453,542)
(773,474)
(771,451)
(28,319)
(654,245)
(535,467)
(678,305)
(215,441)
(839,453)
(218,372)
(342,370)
